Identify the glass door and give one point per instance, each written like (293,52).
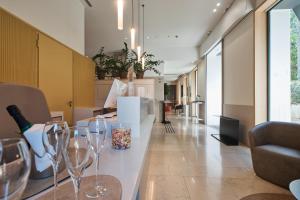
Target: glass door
(284,62)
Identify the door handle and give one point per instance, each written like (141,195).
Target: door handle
(70,104)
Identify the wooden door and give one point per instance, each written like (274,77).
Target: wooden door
(83,81)
(55,75)
(18,51)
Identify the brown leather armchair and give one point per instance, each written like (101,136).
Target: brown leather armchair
(31,102)
(275,150)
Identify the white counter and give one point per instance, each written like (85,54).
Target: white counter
(126,165)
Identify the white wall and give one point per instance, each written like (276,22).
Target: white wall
(202,80)
(239,64)
(61,19)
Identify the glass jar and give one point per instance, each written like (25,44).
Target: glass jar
(121,136)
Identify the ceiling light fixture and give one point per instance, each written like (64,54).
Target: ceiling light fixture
(214,10)
(120,5)
(143,62)
(218,4)
(132,30)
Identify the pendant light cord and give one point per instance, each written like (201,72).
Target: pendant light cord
(132,15)
(143,5)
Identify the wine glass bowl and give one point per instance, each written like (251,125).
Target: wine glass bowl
(15,165)
(55,135)
(76,155)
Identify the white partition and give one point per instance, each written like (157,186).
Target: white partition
(133,111)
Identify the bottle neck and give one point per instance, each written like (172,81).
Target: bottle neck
(21,121)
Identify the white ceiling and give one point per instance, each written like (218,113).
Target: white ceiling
(190,20)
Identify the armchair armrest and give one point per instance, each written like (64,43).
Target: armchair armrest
(258,135)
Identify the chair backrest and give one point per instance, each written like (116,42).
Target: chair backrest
(31,102)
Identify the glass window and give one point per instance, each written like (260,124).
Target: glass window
(214,87)
(284,62)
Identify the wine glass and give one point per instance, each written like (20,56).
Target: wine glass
(98,127)
(15,165)
(55,135)
(76,155)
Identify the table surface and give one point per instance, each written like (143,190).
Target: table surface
(295,188)
(125,165)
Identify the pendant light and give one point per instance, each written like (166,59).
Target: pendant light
(120,5)
(143,58)
(139,51)
(132,30)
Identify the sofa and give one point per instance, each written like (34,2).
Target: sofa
(275,150)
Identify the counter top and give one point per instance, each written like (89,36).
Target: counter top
(125,165)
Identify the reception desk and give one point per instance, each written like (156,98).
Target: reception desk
(126,165)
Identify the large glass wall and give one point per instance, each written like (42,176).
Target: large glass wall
(284,62)
(214,86)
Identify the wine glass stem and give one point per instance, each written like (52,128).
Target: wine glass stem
(97,168)
(54,166)
(76,183)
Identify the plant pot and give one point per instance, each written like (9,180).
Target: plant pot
(123,75)
(101,75)
(140,75)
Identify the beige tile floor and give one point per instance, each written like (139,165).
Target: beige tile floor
(192,165)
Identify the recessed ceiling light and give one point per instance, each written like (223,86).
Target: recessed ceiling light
(218,4)
(214,10)
(148,37)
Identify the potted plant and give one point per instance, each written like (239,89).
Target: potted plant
(117,65)
(124,62)
(150,64)
(100,60)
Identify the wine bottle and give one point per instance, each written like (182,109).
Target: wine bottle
(21,121)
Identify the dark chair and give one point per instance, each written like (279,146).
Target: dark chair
(178,108)
(275,150)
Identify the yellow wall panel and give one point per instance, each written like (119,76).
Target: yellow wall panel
(83,81)
(18,51)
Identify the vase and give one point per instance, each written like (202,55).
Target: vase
(140,75)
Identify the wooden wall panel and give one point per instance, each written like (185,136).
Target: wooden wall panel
(56,75)
(83,81)
(18,51)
